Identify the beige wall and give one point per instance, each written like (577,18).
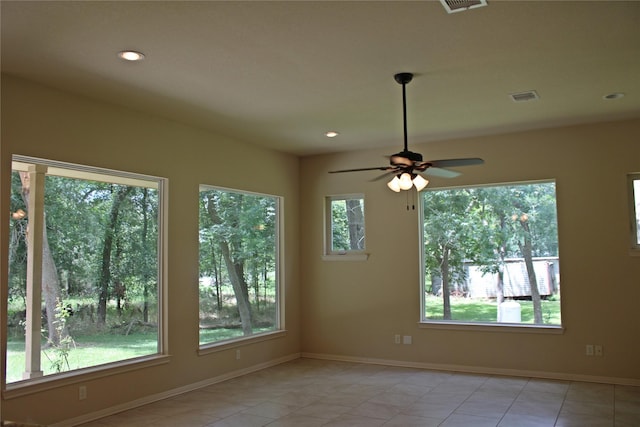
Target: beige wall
(44,123)
(352,310)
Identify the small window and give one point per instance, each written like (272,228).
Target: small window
(634,210)
(239,283)
(490,255)
(84,268)
(345,232)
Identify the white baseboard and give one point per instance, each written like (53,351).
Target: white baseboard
(173,392)
(477,369)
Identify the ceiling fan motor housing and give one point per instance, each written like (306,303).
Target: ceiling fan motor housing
(405,158)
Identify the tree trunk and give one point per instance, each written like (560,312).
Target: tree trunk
(240,291)
(50,281)
(446,291)
(355,220)
(526,249)
(109,234)
(145,275)
(236,275)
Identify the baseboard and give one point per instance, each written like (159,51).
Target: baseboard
(477,369)
(173,392)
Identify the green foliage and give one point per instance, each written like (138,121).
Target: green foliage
(238,234)
(484,226)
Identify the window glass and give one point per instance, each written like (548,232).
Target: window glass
(239,278)
(490,255)
(84,272)
(345,224)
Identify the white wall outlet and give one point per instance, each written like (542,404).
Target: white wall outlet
(82,392)
(589,350)
(396,338)
(237,354)
(598,350)
(406,339)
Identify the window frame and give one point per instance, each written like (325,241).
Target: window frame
(634,214)
(342,255)
(93,173)
(279,330)
(425,323)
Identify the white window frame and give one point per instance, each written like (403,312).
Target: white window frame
(634,212)
(342,255)
(36,382)
(425,323)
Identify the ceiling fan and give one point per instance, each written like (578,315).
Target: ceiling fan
(407,166)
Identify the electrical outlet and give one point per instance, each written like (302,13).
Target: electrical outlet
(396,338)
(589,350)
(82,392)
(237,354)
(598,350)
(406,339)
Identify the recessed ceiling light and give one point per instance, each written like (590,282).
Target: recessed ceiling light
(331,134)
(131,55)
(614,95)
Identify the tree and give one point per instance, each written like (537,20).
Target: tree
(447,235)
(50,282)
(110,232)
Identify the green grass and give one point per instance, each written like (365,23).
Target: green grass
(89,351)
(485,310)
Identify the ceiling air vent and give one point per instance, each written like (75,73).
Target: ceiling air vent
(459,5)
(529,95)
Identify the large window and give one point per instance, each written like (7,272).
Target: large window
(490,255)
(84,270)
(239,271)
(344,224)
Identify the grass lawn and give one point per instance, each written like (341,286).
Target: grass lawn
(93,350)
(485,310)
(89,351)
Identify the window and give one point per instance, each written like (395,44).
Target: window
(490,255)
(634,210)
(84,268)
(239,265)
(344,224)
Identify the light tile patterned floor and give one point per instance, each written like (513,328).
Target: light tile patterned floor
(309,393)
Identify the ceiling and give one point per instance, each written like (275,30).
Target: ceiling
(281,74)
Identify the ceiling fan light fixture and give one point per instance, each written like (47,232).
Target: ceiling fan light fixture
(420,183)
(394,184)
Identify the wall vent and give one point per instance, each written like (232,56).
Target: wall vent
(529,95)
(452,6)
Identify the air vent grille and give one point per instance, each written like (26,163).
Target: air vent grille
(459,5)
(529,95)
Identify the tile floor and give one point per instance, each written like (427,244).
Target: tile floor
(308,392)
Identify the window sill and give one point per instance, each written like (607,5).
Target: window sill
(492,327)
(48,382)
(237,342)
(346,257)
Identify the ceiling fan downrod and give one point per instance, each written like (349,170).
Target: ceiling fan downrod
(403,79)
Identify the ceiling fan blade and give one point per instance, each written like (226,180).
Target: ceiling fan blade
(442,173)
(379,168)
(448,163)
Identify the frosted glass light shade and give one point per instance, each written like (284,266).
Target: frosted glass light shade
(405,181)
(394,184)
(420,182)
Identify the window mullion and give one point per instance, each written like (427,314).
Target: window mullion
(36,226)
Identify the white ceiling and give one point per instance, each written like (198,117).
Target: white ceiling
(280,74)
